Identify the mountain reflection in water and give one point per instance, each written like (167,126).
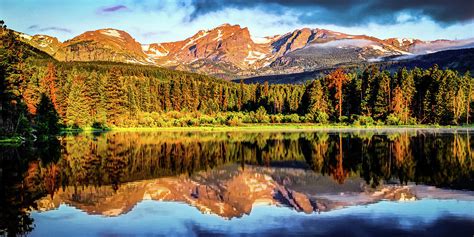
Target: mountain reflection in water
(228,174)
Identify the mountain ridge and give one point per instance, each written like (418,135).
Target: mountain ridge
(230,51)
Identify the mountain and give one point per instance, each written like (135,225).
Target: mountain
(99,45)
(229,51)
(458,59)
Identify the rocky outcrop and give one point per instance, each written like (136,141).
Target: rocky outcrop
(104,45)
(227,44)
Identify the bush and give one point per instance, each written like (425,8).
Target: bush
(277,118)
(320,117)
(233,121)
(261,115)
(146,121)
(392,119)
(292,118)
(363,120)
(250,118)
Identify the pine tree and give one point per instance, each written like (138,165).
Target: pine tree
(367,89)
(382,99)
(176,96)
(47,118)
(77,114)
(240,95)
(94,90)
(337,79)
(166,97)
(116,98)
(50,84)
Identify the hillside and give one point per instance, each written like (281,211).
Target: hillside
(461,60)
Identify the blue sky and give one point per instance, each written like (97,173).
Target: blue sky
(167,20)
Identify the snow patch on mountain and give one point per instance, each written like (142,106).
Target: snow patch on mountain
(200,35)
(379,48)
(254,56)
(111,32)
(219,35)
(401,41)
(155,51)
(261,40)
(158,53)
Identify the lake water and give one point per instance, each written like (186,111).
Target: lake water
(391,182)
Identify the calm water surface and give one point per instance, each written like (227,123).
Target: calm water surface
(417,182)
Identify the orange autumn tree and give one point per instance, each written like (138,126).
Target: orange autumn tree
(337,171)
(337,79)
(49,83)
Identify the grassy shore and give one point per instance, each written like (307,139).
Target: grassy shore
(286,127)
(267,127)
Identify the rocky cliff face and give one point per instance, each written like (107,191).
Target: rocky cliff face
(104,45)
(48,44)
(228,192)
(225,44)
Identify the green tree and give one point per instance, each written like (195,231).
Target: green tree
(47,118)
(116,97)
(77,113)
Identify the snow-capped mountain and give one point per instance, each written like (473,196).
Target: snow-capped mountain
(230,51)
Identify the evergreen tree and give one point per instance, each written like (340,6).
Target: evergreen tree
(382,99)
(77,113)
(176,96)
(47,118)
(116,97)
(337,79)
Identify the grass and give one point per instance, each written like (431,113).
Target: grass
(265,127)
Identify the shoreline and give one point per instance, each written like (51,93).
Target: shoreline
(274,127)
(289,127)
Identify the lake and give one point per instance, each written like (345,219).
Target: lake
(339,182)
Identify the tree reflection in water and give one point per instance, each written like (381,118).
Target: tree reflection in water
(93,160)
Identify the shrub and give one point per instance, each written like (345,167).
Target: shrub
(261,115)
(233,121)
(320,117)
(392,119)
(277,118)
(146,121)
(363,120)
(292,118)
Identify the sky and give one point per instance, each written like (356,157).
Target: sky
(171,20)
